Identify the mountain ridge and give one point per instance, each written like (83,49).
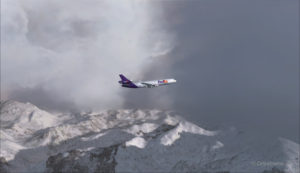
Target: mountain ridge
(124,140)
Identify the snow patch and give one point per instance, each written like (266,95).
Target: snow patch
(137,142)
(138,130)
(184,126)
(217,145)
(292,152)
(94,137)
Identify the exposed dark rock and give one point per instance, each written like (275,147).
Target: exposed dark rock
(69,163)
(3,165)
(160,130)
(105,158)
(183,166)
(274,170)
(97,160)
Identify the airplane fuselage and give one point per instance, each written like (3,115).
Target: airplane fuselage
(145,84)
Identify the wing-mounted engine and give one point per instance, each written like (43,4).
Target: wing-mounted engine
(149,85)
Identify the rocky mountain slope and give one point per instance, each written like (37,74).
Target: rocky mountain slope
(33,140)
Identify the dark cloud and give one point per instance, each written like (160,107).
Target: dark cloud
(236,62)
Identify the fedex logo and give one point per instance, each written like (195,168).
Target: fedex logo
(162,81)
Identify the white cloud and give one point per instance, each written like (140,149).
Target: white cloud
(76,49)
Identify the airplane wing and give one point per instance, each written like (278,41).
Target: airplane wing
(149,85)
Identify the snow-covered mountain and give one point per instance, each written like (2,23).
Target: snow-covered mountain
(33,140)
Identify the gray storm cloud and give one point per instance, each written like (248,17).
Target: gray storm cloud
(68,54)
(236,63)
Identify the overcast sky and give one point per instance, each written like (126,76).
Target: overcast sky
(236,61)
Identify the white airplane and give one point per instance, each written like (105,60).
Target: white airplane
(144,84)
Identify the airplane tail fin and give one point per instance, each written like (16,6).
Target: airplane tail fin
(126,82)
(124,79)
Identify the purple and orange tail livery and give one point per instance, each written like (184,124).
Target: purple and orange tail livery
(126,82)
(123,78)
